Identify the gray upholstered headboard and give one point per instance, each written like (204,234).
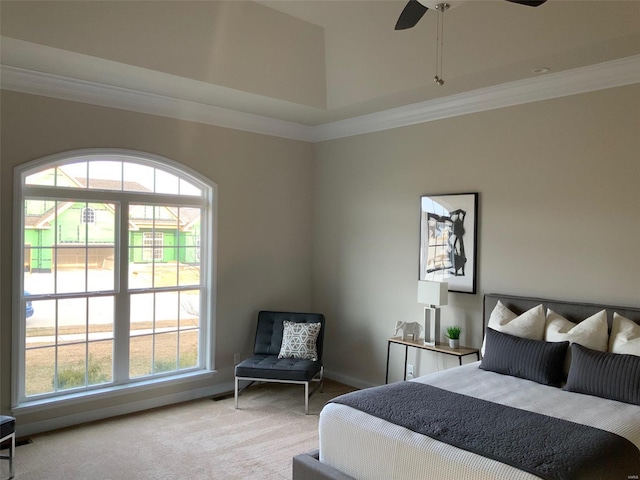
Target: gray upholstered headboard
(572,311)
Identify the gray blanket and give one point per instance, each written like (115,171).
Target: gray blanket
(548,447)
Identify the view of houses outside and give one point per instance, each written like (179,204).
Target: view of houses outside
(71,279)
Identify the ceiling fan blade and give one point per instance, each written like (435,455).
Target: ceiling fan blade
(412,13)
(530,3)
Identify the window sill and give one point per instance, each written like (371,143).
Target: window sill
(112,391)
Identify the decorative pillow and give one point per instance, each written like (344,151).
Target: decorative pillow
(592,332)
(535,360)
(625,336)
(528,325)
(603,374)
(299,340)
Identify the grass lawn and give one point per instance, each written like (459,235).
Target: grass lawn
(145,350)
(84,354)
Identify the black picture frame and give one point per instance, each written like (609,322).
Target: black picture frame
(449,240)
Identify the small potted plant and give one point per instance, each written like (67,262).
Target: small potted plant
(453,333)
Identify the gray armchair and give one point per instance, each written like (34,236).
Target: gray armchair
(265,366)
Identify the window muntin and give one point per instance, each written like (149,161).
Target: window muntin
(75,279)
(164,330)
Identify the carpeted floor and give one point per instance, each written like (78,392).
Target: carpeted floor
(202,439)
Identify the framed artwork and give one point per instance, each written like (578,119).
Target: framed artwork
(448,240)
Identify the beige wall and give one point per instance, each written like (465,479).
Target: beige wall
(559,217)
(264,224)
(333,227)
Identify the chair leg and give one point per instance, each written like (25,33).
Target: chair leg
(11,455)
(306,398)
(236,393)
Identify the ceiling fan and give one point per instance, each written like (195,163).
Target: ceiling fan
(415,9)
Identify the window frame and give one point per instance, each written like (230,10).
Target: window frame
(207,201)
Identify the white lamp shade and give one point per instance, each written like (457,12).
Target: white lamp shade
(433,293)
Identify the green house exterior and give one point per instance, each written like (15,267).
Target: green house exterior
(84,232)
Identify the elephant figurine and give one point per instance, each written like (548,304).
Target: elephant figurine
(410,330)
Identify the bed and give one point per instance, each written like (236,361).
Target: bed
(360,439)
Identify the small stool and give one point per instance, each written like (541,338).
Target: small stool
(8,432)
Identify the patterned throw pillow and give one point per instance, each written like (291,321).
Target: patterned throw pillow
(299,340)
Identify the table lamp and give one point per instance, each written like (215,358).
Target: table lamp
(434,295)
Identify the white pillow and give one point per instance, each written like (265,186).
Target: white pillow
(528,325)
(625,336)
(592,332)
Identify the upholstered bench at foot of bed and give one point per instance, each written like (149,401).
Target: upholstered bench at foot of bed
(307,466)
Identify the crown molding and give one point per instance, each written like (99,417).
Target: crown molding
(616,73)
(57,86)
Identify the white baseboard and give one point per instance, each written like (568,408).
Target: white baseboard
(351,381)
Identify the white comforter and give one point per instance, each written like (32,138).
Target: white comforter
(368,448)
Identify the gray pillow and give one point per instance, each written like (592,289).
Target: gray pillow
(615,376)
(536,360)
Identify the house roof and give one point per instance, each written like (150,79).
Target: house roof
(107,184)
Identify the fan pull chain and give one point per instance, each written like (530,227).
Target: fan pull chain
(441,8)
(436,78)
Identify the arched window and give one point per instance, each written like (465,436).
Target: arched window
(120,277)
(88,215)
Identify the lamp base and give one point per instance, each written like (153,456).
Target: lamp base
(431,325)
